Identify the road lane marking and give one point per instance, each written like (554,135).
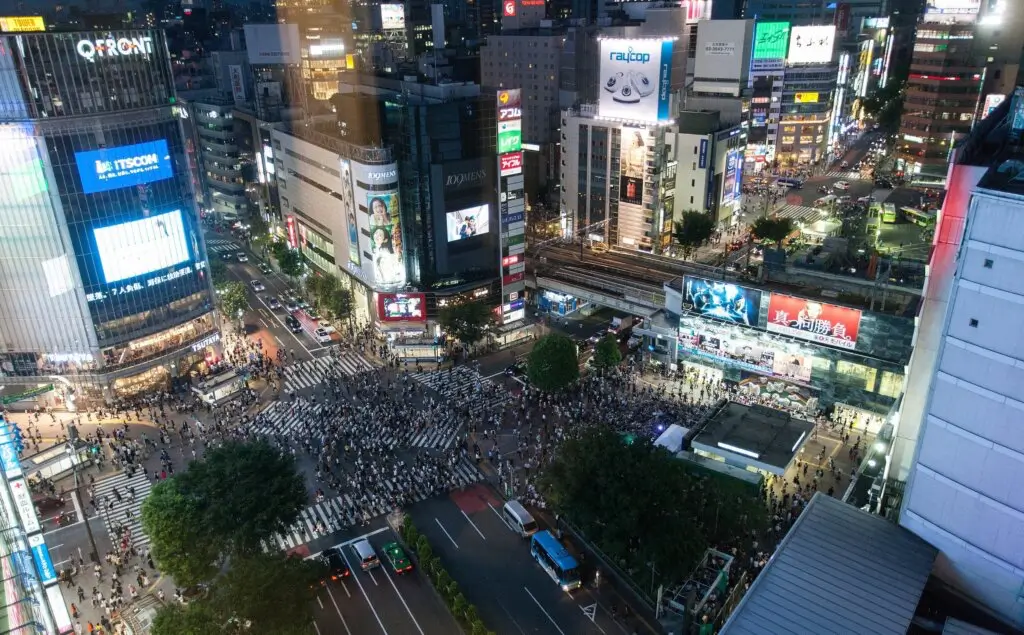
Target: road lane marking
(446,533)
(345,586)
(500,517)
(369,572)
(316,628)
(474,526)
(350,541)
(407,609)
(319,601)
(546,614)
(265,323)
(367,597)
(338,609)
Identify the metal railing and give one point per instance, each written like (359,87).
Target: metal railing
(361,154)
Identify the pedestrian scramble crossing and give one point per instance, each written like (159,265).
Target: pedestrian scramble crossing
(117,515)
(335,514)
(221,245)
(800,213)
(315,371)
(847,175)
(464,387)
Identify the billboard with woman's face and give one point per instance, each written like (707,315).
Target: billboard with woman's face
(386,238)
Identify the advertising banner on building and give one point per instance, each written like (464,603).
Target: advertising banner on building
(510,136)
(814,321)
(510,105)
(771,40)
(124,166)
(468,223)
(702,158)
(237,82)
(806,98)
(747,351)
(273,44)
(402,307)
(386,238)
(511,199)
(720,49)
(732,180)
(392,17)
(635,78)
(511,163)
(811,44)
(722,300)
(632,166)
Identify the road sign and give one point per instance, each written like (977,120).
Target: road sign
(590,611)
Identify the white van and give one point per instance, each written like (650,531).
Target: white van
(518,519)
(367,556)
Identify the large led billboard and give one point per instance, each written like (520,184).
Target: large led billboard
(632,164)
(811,44)
(139,247)
(392,17)
(468,223)
(402,307)
(732,180)
(124,166)
(722,300)
(746,350)
(770,40)
(813,320)
(386,238)
(635,79)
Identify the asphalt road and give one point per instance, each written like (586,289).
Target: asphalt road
(496,572)
(380,602)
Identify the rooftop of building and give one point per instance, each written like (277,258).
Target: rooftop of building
(766,435)
(838,570)
(999,144)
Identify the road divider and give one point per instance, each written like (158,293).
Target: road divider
(464,612)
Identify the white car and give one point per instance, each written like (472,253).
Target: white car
(242,257)
(257,286)
(325,325)
(841,185)
(322,336)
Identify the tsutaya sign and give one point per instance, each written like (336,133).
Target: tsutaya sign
(109,47)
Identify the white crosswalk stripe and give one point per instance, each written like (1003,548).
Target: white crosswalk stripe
(800,213)
(464,387)
(335,514)
(313,372)
(849,175)
(115,515)
(220,246)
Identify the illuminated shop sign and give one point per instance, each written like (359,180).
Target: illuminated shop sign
(109,47)
(746,350)
(124,166)
(402,307)
(814,321)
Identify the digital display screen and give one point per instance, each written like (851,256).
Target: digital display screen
(469,222)
(722,300)
(124,166)
(396,307)
(139,247)
(814,321)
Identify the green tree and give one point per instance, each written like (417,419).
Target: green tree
(773,230)
(606,353)
(273,592)
(288,260)
(182,546)
(233,300)
(197,618)
(466,321)
(252,491)
(693,230)
(553,363)
(218,271)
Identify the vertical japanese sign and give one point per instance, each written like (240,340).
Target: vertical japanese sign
(511,204)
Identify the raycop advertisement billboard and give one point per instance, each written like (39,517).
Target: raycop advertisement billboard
(386,238)
(811,44)
(635,79)
(468,223)
(722,300)
(124,166)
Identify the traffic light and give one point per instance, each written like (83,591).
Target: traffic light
(19,444)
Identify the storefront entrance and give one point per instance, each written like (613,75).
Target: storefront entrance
(857,418)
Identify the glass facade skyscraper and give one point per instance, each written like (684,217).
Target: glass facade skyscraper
(103,271)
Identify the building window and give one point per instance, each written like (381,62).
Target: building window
(973,323)
(988,263)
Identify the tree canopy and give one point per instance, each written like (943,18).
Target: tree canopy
(466,321)
(238,495)
(289,260)
(218,271)
(641,505)
(233,300)
(606,353)
(330,295)
(553,363)
(773,230)
(693,230)
(262,593)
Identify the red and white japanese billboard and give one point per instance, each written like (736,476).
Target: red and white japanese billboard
(511,163)
(812,320)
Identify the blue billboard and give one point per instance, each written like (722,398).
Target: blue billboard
(124,166)
(732,180)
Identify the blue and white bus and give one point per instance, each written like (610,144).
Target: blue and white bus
(792,182)
(556,560)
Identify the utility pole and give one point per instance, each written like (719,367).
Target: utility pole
(94,553)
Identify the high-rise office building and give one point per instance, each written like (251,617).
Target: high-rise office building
(965,393)
(963,62)
(104,274)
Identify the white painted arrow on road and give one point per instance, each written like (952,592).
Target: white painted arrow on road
(590,611)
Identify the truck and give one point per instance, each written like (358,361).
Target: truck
(621,325)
